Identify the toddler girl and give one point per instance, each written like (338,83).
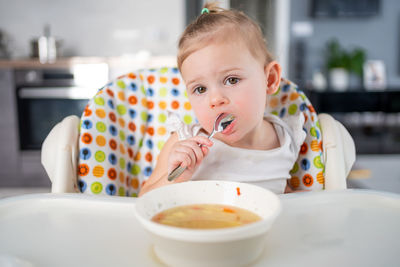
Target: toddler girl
(227,69)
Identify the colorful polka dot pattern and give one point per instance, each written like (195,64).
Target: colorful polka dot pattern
(123,129)
(308,170)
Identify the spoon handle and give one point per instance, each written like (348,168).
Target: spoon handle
(176,173)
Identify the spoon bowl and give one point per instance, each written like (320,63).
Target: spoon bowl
(221,122)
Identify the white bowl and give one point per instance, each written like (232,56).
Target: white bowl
(235,246)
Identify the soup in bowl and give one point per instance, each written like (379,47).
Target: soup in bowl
(205,216)
(208,223)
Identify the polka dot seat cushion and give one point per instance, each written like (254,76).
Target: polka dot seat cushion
(123,129)
(308,170)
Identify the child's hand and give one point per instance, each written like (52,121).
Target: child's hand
(188,153)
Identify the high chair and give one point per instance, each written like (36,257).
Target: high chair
(113,148)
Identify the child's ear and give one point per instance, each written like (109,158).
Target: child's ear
(273,74)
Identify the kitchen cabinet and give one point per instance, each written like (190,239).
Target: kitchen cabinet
(8,126)
(387,101)
(19,165)
(371,117)
(16,168)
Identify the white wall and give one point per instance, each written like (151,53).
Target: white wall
(95,28)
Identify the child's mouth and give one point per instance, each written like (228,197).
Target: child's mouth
(228,125)
(227,121)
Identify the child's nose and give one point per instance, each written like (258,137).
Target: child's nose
(218,99)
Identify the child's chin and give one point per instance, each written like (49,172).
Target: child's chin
(230,139)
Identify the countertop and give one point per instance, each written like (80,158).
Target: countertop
(17,191)
(376,172)
(153,61)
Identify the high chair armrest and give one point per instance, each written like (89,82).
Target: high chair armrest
(60,155)
(338,151)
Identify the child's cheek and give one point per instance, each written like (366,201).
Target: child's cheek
(241,104)
(203,117)
(247,105)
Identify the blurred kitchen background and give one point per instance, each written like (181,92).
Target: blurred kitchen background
(344,54)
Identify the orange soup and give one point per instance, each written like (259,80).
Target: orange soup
(205,216)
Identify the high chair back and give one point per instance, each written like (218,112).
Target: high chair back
(123,129)
(290,103)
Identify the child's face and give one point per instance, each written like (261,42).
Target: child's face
(226,78)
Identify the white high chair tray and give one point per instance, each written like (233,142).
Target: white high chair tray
(342,228)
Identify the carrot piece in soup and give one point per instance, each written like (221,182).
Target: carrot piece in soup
(228,210)
(158,217)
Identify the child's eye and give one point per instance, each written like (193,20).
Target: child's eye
(232,81)
(200,90)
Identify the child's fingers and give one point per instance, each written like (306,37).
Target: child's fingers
(198,152)
(187,154)
(181,179)
(202,140)
(195,155)
(180,159)
(205,150)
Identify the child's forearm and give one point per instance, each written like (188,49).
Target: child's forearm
(153,183)
(288,189)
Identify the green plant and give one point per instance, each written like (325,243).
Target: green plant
(337,57)
(357,59)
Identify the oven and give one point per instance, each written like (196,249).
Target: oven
(46,96)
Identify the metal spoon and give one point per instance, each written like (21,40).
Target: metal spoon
(220,124)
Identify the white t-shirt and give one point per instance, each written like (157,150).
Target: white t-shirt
(267,168)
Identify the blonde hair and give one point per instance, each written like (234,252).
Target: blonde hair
(209,26)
